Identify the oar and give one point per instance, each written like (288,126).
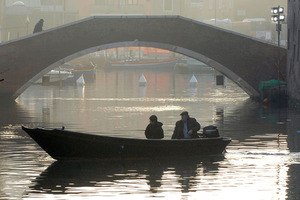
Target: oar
(137,130)
(128,130)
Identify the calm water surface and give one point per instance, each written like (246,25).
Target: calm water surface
(262,161)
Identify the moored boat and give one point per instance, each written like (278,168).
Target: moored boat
(62,144)
(55,76)
(87,70)
(171,62)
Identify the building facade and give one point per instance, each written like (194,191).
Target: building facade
(18,17)
(293,57)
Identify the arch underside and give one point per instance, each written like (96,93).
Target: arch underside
(212,63)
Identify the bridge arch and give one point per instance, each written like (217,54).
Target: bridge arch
(242,59)
(217,66)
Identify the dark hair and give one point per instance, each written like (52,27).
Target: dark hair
(153,118)
(185,113)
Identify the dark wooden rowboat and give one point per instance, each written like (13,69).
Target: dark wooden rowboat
(61,144)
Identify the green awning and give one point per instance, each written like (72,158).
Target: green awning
(270,83)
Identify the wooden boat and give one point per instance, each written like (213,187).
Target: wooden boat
(62,144)
(55,77)
(87,70)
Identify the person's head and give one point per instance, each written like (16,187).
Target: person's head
(184,115)
(41,21)
(153,119)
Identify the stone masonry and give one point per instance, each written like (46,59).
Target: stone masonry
(293,55)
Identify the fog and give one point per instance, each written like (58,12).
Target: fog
(18,18)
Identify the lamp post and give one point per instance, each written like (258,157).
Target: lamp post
(215,12)
(27,24)
(277,17)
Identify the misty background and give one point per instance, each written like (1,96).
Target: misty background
(250,17)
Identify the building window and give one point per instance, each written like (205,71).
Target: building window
(168,5)
(230,4)
(100,2)
(122,2)
(132,2)
(51,2)
(110,2)
(197,3)
(104,2)
(210,4)
(128,2)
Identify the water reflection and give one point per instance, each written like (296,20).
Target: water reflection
(293,129)
(68,177)
(115,101)
(262,161)
(20,162)
(293,191)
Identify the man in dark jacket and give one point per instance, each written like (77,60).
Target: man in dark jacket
(39,26)
(186,128)
(154,129)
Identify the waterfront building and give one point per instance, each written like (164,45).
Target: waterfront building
(293,55)
(17,18)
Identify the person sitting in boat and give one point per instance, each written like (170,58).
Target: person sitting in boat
(186,128)
(154,129)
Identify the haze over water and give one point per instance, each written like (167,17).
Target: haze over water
(262,161)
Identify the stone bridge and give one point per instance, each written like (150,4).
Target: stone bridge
(244,60)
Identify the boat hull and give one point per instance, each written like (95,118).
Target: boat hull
(61,144)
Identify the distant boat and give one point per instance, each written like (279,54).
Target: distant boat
(190,62)
(61,144)
(55,76)
(88,71)
(171,62)
(195,63)
(69,74)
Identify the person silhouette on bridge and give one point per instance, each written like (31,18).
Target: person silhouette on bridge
(39,26)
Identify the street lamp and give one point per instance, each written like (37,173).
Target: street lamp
(27,24)
(277,17)
(215,12)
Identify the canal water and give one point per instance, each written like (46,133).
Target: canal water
(262,161)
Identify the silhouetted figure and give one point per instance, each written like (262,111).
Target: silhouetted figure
(154,129)
(39,26)
(186,128)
